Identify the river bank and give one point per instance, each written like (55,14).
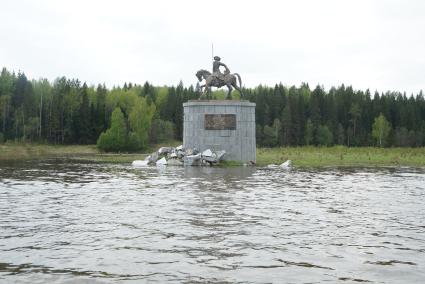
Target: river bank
(11,152)
(301,156)
(340,156)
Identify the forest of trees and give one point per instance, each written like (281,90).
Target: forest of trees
(67,111)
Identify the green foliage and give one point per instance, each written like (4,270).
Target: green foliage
(287,126)
(135,137)
(309,132)
(324,136)
(68,111)
(115,138)
(381,129)
(341,156)
(134,142)
(340,138)
(219,94)
(271,134)
(161,131)
(161,97)
(140,122)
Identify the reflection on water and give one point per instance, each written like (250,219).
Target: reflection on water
(70,222)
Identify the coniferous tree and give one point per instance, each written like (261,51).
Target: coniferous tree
(66,112)
(309,132)
(83,120)
(324,136)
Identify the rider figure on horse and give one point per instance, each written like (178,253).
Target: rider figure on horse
(218,79)
(216,69)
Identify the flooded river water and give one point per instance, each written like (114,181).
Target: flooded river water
(65,221)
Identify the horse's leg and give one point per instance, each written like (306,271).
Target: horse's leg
(200,91)
(204,94)
(238,89)
(229,97)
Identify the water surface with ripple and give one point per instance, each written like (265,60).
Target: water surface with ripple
(64,221)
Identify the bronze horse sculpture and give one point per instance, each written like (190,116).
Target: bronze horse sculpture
(228,80)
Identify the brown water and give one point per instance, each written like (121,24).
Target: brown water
(70,222)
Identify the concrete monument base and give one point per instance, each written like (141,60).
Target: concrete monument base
(221,125)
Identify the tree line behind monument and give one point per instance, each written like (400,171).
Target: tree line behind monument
(131,117)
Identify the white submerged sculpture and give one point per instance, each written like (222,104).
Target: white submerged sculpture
(161,162)
(286,165)
(140,163)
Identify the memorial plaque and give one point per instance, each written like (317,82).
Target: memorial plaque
(220,122)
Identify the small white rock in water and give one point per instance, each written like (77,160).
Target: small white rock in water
(161,162)
(192,160)
(286,165)
(272,166)
(207,153)
(140,163)
(165,150)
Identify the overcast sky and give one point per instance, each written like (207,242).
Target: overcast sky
(378,45)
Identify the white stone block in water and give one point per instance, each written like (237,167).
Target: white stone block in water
(286,165)
(161,162)
(220,155)
(207,153)
(192,160)
(140,163)
(165,150)
(272,166)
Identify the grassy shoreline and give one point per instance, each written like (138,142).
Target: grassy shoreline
(340,156)
(336,156)
(14,152)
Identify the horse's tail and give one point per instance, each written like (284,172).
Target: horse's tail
(240,82)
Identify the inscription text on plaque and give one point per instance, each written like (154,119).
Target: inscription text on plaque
(220,122)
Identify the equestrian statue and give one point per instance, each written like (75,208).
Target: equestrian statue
(219,79)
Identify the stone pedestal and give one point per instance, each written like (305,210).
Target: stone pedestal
(221,125)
